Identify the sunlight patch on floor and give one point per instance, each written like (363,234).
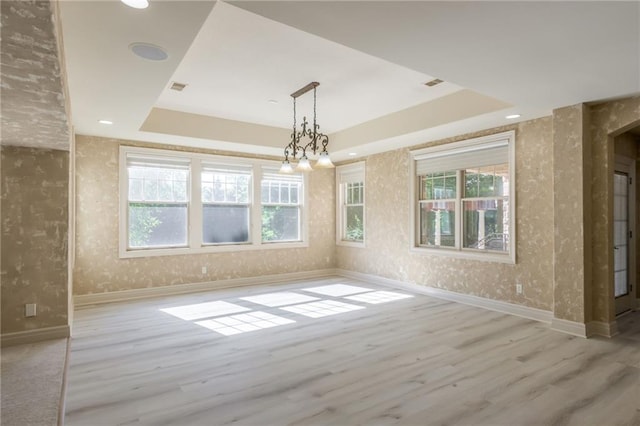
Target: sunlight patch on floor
(337,290)
(378,297)
(243,323)
(322,308)
(279,299)
(204,310)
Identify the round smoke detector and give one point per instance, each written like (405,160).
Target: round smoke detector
(148,51)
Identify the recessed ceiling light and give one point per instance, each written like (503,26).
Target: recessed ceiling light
(512,116)
(105,121)
(272,101)
(353,154)
(136,4)
(148,51)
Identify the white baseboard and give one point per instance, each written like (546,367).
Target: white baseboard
(33,336)
(142,293)
(600,328)
(481,302)
(570,327)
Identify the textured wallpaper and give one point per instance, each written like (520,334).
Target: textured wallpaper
(388,231)
(33,102)
(35,185)
(606,119)
(98,268)
(572,240)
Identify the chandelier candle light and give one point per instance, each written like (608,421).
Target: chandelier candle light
(306,140)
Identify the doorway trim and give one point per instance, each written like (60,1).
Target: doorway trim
(628,166)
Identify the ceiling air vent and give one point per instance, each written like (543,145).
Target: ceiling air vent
(433,82)
(178,86)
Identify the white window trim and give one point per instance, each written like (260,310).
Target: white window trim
(353,168)
(194,202)
(459,147)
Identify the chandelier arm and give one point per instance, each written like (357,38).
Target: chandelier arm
(299,144)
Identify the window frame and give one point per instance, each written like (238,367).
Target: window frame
(219,168)
(299,205)
(195,243)
(461,147)
(349,173)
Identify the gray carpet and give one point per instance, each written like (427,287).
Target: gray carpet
(32,378)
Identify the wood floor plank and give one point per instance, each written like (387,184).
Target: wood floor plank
(414,361)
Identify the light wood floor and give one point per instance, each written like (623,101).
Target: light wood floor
(416,361)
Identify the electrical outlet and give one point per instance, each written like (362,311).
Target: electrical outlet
(204,269)
(519,288)
(30,310)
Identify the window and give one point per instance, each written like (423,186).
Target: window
(174,202)
(226,204)
(464,193)
(350,217)
(281,206)
(157,203)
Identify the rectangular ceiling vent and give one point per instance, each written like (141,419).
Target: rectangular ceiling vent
(178,86)
(433,82)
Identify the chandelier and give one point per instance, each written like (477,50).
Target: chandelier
(306,140)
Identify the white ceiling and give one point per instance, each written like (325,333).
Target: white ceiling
(371,59)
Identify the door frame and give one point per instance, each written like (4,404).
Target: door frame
(628,165)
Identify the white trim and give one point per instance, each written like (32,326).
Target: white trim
(600,328)
(628,165)
(466,254)
(466,145)
(37,335)
(570,327)
(481,302)
(194,230)
(142,293)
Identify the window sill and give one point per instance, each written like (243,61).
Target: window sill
(344,243)
(460,254)
(129,254)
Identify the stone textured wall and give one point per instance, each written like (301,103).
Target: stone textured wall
(34,192)
(388,231)
(607,120)
(99,269)
(32,90)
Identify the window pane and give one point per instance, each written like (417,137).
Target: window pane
(157,225)
(354,222)
(437,223)
(471,183)
(135,189)
(157,184)
(487,181)
(438,186)
(280,223)
(486,224)
(225,224)
(275,192)
(150,190)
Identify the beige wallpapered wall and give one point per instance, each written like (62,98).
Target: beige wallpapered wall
(571,237)
(387,248)
(98,268)
(387,252)
(35,185)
